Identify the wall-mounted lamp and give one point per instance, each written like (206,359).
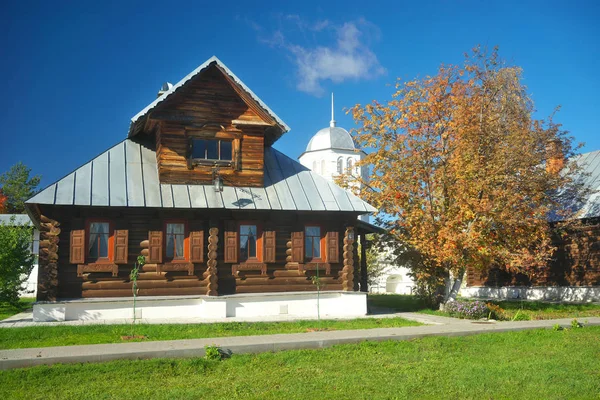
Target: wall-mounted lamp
(217,180)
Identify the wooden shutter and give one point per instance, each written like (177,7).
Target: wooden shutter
(269,246)
(231,243)
(121,246)
(197,246)
(155,247)
(333,247)
(298,246)
(77,249)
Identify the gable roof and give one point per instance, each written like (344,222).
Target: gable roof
(126,175)
(134,126)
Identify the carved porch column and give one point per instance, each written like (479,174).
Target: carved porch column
(211,264)
(348,270)
(48,260)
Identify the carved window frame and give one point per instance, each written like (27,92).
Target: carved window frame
(259,243)
(212,131)
(322,244)
(110,243)
(186,242)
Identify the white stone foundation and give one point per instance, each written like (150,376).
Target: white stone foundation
(568,294)
(293,305)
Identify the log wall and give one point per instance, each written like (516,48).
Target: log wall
(212,277)
(209,99)
(575,263)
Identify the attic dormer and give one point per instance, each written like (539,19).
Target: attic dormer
(209,122)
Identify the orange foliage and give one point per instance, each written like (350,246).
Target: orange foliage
(3,199)
(457,166)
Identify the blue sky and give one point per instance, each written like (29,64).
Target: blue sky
(74,73)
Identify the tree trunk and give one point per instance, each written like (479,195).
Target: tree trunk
(453,285)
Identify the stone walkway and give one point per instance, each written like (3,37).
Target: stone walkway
(438,326)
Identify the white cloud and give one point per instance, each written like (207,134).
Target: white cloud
(348,58)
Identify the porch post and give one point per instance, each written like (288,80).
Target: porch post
(48,260)
(363,263)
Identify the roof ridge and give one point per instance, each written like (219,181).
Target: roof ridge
(192,75)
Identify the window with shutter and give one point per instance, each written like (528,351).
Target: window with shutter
(121,246)
(231,243)
(155,247)
(177,246)
(298,246)
(270,246)
(77,247)
(197,246)
(333,247)
(99,246)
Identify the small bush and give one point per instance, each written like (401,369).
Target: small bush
(496,312)
(212,353)
(467,309)
(575,324)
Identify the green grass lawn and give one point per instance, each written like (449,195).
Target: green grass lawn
(534,310)
(63,335)
(7,310)
(540,364)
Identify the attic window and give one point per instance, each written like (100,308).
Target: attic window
(212,150)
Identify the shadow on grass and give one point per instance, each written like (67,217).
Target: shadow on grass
(382,303)
(7,310)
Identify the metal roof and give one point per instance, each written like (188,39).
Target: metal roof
(331,138)
(191,75)
(19,219)
(590,178)
(126,175)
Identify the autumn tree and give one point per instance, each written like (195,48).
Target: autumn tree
(3,199)
(18,186)
(458,168)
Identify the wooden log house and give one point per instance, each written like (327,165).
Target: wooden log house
(198,189)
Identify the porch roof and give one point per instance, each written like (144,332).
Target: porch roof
(126,175)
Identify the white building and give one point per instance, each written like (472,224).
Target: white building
(331,152)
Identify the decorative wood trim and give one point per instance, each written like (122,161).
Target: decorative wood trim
(186,240)
(97,267)
(121,252)
(298,246)
(211,264)
(303,268)
(197,246)
(333,247)
(48,259)
(231,243)
(175,266)
(348,256)
(155,247)
(77,246)
(111,242)
(250,266)
(269,246)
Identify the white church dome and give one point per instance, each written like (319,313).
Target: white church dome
(332,137)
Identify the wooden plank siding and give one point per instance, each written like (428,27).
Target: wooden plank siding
(209,99)
(280,276)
